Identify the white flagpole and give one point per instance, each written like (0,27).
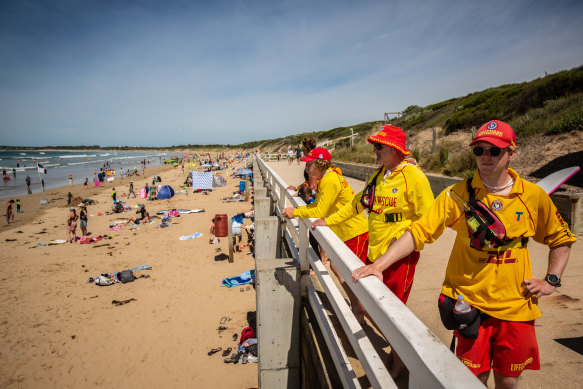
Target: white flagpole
(44,199)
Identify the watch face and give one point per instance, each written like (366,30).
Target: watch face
(552,279)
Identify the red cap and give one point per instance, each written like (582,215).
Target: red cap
(391,136)
(317,153)
(497,133)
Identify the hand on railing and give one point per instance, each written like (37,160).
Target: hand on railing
(318,222)
(365,271)
(288,212)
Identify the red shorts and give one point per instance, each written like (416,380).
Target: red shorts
(359,246)
(508,347)
(399,276)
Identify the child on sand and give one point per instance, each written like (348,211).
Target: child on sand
(17,205)
(72,225)
(9,214)
(213,239)
(114,195)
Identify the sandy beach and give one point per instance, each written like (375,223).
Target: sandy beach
(60,331)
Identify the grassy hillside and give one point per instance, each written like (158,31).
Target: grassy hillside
(552,104)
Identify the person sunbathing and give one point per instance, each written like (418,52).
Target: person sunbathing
(139,220)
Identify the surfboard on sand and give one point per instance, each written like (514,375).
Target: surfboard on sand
(553,181)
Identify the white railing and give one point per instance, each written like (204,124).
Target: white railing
(270,157)
(430,362)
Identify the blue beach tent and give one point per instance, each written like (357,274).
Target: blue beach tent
(165,192)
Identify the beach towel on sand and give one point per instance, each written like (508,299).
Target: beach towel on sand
(87,240)
(195,235)
(111,278)
(247,277)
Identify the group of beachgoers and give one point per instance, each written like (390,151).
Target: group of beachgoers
(490,270)
(150,192)
(6,176)
(291,153)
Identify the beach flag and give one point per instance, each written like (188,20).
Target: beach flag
(41,168)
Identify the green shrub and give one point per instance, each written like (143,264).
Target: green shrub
(360,153)
(556,116)
(443,151)
(568,123)
(461,164)
(431,163)
(415,154)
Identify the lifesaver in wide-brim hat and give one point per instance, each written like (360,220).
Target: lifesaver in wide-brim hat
(391,136)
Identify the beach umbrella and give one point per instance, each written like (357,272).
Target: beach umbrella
(243,172)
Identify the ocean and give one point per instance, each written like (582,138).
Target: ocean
(59,164)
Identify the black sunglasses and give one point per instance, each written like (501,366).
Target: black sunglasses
(378,146)
(494,151)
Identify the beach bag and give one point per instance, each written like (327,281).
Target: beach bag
(467,324)
(103,281)
(125,276)
(252,349)
(118,208)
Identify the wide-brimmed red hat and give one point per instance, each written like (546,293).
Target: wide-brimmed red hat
(391,136)
(317,153)
(497,133)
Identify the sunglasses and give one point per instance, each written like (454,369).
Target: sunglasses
(494,151)
(378,146)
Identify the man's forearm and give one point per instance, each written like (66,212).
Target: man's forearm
(558,259)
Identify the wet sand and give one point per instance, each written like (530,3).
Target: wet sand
(559,330)
(59,331)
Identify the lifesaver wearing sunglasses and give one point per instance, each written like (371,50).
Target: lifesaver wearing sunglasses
(486,230)
(494,151)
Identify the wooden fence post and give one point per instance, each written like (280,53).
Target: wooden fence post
(304,242)
(230,237)
(277,281)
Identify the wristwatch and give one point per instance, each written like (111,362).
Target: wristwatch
(553,280)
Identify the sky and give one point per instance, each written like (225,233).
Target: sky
(163,73)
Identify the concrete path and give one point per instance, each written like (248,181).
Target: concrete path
(559,330)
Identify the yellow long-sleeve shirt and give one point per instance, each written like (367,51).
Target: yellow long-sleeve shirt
(491,280)
(333,193)
(405,190)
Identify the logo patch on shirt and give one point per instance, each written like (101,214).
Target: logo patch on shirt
(395,190)
(497,205)
(518,217)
